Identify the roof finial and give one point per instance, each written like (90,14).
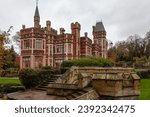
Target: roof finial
(37,2)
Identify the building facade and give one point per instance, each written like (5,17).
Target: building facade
(46,47)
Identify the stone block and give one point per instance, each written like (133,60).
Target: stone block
(117,84)
(61,89)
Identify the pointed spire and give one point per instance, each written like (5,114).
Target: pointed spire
(37,16)
(37,2)
(37,10)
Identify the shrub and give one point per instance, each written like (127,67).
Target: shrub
(10,72)
(47,67)
(144,74)
(10,87)
(15,88)
(103,62)
(28,78)
(68,63)
(43,75)
(31,78)
(86,62)
(1,95)
(2,73)
(83,62)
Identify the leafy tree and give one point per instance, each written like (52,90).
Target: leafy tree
(134,47)
(16,40)
(9,58)
(147,48)
(1,51)
(3,40)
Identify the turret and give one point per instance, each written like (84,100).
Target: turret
(99,37)
(75,29)
(99,30)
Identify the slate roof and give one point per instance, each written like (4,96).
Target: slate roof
(37,12)
(99,27)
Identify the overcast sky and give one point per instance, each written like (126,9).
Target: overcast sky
(121,18)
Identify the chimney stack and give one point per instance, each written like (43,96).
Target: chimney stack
(48,24)
(62,30)
(86,34)
(23,26)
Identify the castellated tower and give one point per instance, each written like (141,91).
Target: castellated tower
(100,41)
(75,28)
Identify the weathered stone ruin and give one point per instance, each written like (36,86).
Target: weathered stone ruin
(94,83)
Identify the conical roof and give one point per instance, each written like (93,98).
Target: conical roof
(37,12)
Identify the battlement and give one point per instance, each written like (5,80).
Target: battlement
(75,25)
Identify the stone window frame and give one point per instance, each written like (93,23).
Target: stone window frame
(69,48)
(59,49)
(38,44)
(26,61)
(26,44)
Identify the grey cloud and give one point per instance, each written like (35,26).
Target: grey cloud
(121,18)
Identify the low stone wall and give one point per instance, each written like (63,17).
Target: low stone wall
(109,83)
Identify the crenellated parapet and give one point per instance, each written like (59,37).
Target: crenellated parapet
(75,25)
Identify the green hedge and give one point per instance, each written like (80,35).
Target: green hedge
(83,62)
(33,77)
(10,87)
(10,72)
(144,74)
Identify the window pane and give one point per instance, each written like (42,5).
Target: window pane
(38,44)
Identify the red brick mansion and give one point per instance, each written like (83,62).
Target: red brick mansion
(45,46)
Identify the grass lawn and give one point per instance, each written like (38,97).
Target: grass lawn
(5,80)
(145,89)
